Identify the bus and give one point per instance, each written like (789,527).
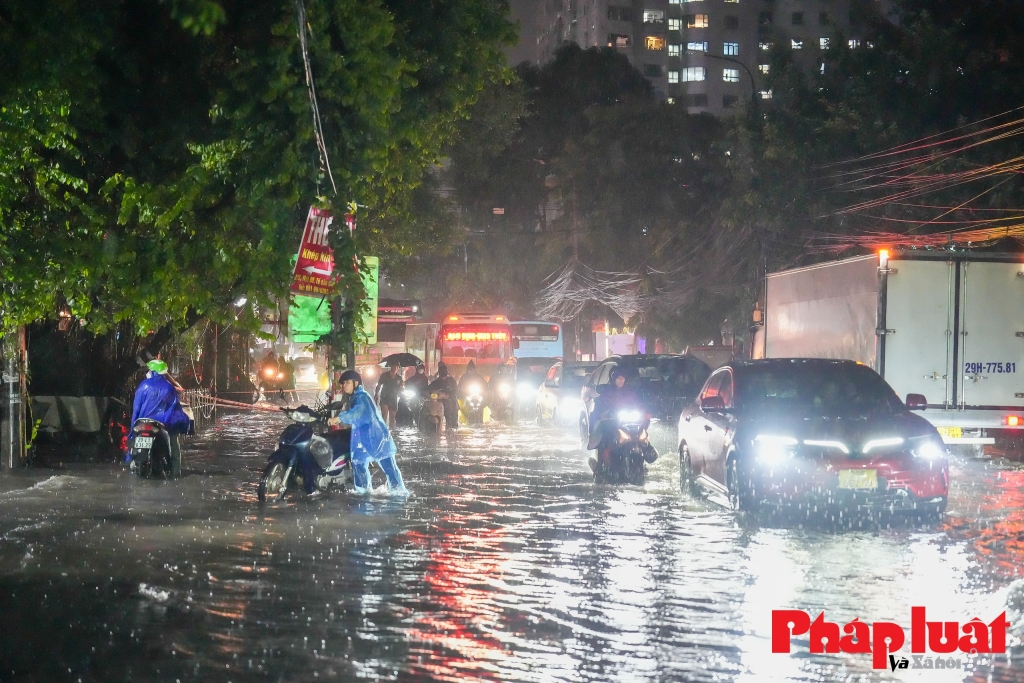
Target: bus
(538,339)
(484,339)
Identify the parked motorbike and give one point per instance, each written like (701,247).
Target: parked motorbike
(624,450)
(149,449)
(307,451)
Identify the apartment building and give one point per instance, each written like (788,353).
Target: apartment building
(707,55)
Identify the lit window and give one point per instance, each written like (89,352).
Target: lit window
(696,100)
(693,73)
(763,68)
(618,40)
(655,43)
(823,43)
(654,16)
(797,44)
(732,0)
(673,24)
(731,75)
(673,76)
(671,100)
(853,42)
(766,94)
(764,46)
(730,49)
(675,50)
(696,20)
(697,47)
(798,18)
(673,2)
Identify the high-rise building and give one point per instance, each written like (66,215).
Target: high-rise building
(707,55)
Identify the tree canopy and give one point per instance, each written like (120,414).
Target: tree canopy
(158,158)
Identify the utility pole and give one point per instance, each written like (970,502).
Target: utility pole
(12,410)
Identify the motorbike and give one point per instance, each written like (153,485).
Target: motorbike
(306,451)
(503,400)
(273,379)
(149,449)
(473,404)
(409,403)
(624,450)
(432,412)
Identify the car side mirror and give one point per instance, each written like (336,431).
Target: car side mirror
(712,404)
(551,384)
(916,402)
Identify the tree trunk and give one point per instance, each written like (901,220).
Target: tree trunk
(12,412)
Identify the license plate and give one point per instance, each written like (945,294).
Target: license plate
(858,479)
(951,432)
(144,442)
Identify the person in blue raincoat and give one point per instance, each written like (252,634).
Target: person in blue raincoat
(157,399)
(371,441)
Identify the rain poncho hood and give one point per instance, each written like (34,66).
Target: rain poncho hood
(156,399)
(371,440)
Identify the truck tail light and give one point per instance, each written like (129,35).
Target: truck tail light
(1013,420)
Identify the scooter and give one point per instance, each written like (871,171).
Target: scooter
(409,403)
(473,404)
(624,450)
(149,449)
(431,413)
(503,400)
(303,455)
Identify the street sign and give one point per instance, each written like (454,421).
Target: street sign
(314,267)
(370,277)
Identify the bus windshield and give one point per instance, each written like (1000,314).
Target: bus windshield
(538,339)
(490,342)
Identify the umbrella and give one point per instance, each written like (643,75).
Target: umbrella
(402,360)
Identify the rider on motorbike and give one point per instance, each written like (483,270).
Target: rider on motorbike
(614,396)
(446,389)
(157,399)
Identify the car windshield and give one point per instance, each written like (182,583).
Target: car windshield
(533,370)
(669,376)
(573,376)
(819,390)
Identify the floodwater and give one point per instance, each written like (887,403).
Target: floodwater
(506,564)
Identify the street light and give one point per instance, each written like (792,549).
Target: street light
(753,85)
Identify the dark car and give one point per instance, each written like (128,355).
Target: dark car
(663,382)
(810,435)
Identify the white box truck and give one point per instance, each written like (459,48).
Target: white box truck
(946,325)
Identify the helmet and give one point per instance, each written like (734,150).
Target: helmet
(351,375)
(158,366)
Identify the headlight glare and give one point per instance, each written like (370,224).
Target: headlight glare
(773,448)
(630,416)
(929,449)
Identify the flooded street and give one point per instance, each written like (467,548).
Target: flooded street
(507,563)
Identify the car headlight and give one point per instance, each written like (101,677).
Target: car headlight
(772,448)
(928,449)
(630,416)
(525,389)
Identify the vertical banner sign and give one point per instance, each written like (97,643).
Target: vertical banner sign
(370,276)
(315,265)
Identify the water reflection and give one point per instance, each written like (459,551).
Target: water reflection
(507,563)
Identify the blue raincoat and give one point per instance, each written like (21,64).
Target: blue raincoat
(371,440)
(156,399)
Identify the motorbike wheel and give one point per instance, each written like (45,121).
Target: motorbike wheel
(272,481)
(143,468)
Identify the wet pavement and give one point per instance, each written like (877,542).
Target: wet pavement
(506,564)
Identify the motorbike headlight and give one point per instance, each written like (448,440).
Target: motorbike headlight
(772,448)
(301,416)
(928,449)
(280,375)
(269,372)
(630,416)
(504,390)
(473,391)
(409,393)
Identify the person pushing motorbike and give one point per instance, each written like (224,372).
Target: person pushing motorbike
(371,440)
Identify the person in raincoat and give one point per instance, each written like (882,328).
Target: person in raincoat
(157,399)
(371,441)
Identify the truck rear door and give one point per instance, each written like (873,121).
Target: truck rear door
(919,322)
(992,317)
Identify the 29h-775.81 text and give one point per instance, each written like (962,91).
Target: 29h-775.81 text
(997,368)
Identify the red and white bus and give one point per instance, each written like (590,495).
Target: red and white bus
(484,339)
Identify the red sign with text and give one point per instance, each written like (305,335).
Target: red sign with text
(314,268)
